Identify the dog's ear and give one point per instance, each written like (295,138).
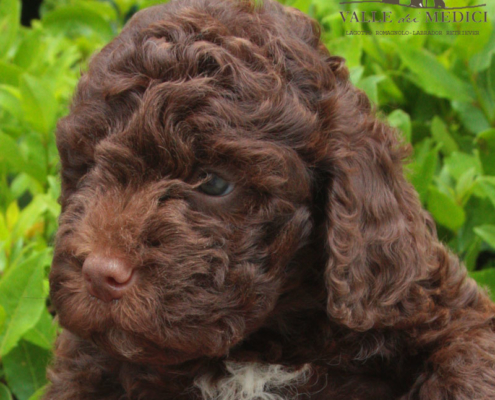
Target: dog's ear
(376,233)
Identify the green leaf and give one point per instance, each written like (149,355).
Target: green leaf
(486,279)
(30,215)
(349,48)
(423,168)
(10,152)
(39,104)
(465,186)
(12,215)
(3,260)
(38,395)
(3,317)
(35,152)
(5,392)
(488,186)
(391,92)
(472,253)
(302,5)
(25,369)
(29,50)
(432,76)
(13,156)
(471,116)
(356,74)
(16,250)
(442,136)
(4,230)
(10,100)
(370,86)
(44,332)
(150,3)
(10,14)
(457,163)
(479,211)
(401,120)
(21,295)
(444,182)
(22,183)
(78,19)
(466,46)
(481,61)
(10,74)
(491,84)
(487,233)
(445,210)
(486,145)
(54,185)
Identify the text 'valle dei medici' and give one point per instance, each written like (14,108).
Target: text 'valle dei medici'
(435,16)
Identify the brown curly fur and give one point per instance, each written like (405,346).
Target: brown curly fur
(322,254)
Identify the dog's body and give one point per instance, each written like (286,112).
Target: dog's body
(236,226)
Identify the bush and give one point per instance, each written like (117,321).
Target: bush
(438,90)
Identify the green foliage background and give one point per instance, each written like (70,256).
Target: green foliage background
(438,90)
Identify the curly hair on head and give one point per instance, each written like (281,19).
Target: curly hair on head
(236,225)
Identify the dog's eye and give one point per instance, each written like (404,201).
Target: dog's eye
(215,186)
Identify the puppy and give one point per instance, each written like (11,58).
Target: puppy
(236,225)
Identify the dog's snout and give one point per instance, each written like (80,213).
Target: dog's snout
(107,278)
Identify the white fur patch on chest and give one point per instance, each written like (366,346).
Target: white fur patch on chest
(252,381)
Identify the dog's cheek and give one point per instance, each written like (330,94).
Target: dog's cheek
(213,289)
(215,307)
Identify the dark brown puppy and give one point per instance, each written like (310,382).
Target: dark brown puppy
(236,225)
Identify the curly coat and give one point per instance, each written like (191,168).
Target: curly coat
(320,276)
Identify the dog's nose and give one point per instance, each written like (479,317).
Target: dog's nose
(107,278)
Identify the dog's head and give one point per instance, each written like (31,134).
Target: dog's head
(214,155)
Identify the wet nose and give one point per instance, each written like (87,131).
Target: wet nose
(107,278)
